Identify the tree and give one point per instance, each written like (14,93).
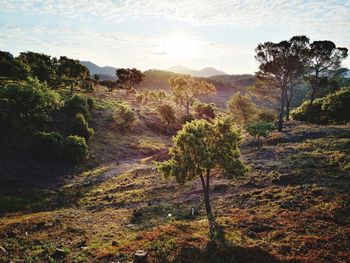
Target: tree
(40,66)
(259,129)
(201,147)
(280,68)
(167,115)
(96,78)
(12,68)
(128,78)
(242,108)
(186,90)
(323,64)
(71,72)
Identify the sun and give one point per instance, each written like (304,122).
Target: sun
(178,47)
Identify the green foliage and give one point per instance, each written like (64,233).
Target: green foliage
(124,116)
(78,104)
(205,110)
(48,145)
(28,102)
(259,129)
(167,114)
(12,68)
(75,148)
(187,118)
(81,128)
(90,101)
(201,146)
(242,108)
(334,108)
(129,77)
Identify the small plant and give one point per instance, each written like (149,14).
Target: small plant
(259,129)
(90,101)
(267,116)
(81,128)
(124,116)
(75,148)
(139,98)
(48,145)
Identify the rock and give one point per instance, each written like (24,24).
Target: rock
(58,254)
(140,256)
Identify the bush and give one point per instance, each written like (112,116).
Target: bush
(91,103)
(75,148)
(48,145)
(80,127)
(267,116)
(78,104)
(28,103)
(242,108)
(334,108)
(259,129)
(205,110)
(187,118)
(167,114)
(139,98)
(124,116)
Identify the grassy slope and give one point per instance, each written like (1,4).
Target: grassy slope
(293,206)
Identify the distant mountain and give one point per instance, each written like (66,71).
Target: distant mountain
(105,73)
(205,72)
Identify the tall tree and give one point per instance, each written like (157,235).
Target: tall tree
(71,72)
(242,108)
(128,78)
(279,68)
(187,89)
(201,147)
(324,60)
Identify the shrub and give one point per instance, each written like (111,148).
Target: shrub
(75,148)
(259,129)
(187,118)
(167,114)
(48,145)
(91,103)
(80,127)
(267,116)
(334,108)
(124,116)
(205,110)
(78,104)
(139,98)
(28,102)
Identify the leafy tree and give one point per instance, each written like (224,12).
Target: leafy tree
(186,90)
(267,115)
(128,78)
(259,129)
(81,128)
(242,108)
(124,116)
(323,64)
(28,102)
(201,147)
(96,78)
(71,72)
(167,115)
(110,84)
(280,68)
(40,66)
(12,68)
(205,110)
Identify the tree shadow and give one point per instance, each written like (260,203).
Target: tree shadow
(225,253)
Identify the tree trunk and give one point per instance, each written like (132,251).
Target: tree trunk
(210,216)
(280,117)
(187,109)
(287,110)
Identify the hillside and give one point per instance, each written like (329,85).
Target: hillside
(204,73)
(105,73)
(292,207)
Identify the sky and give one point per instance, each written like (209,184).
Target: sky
(159,34)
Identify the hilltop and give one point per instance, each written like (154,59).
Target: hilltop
(204,73)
